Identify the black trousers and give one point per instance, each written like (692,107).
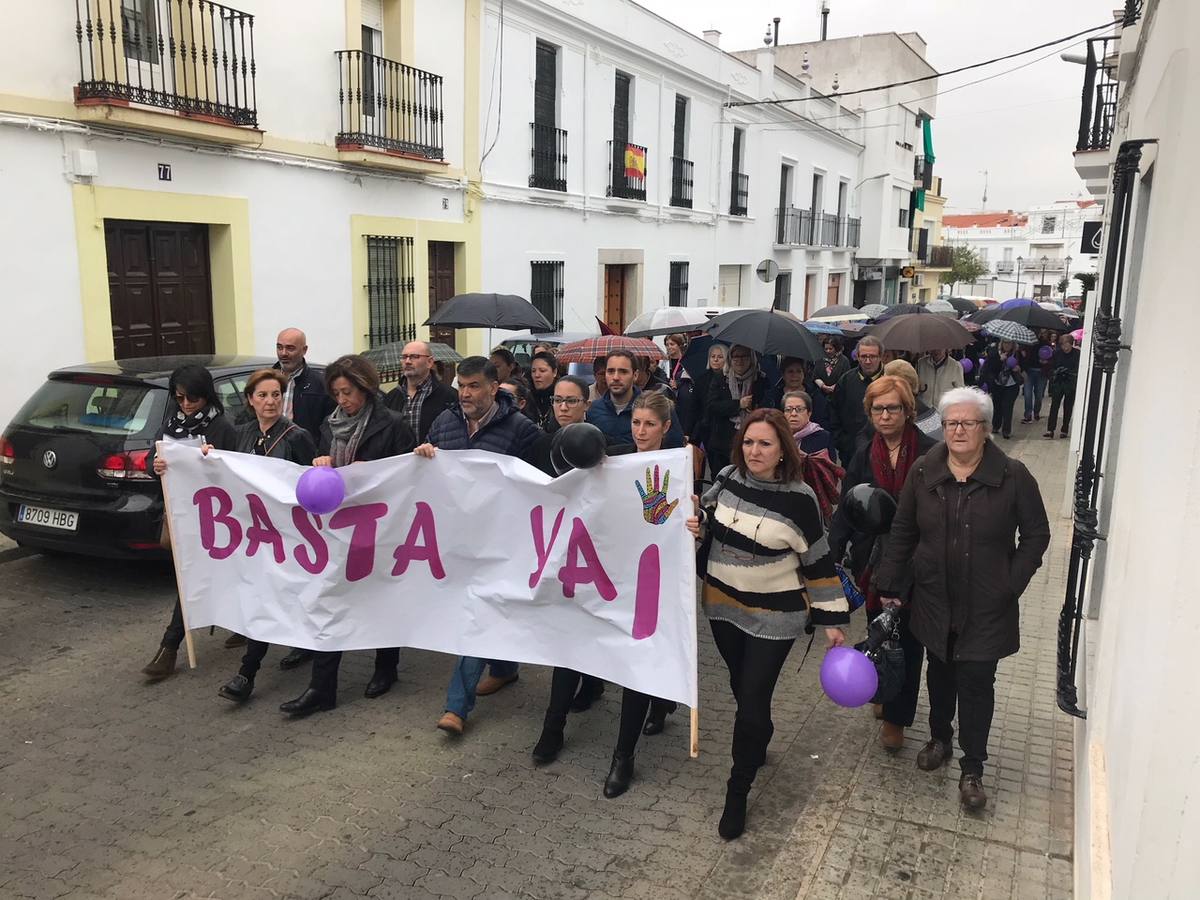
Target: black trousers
(173,636)
(563,685)
(253,657)
(902,709)
(1067,402)
(634,707)
(325,667)
(972,686)
(754,667)
(1003,401)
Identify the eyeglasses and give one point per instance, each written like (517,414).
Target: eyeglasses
(893,410)
(411,356)
(566,401)
(965,424)
(868,357)
(795,409)
(181,398)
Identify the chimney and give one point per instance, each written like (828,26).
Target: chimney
(713,37)
(765,62)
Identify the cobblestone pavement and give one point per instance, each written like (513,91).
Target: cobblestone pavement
(113,788)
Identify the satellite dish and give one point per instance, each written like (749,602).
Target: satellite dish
(767,270)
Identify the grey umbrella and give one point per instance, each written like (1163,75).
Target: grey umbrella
(506,311)
(1005,330)
(920,334)
(766,331)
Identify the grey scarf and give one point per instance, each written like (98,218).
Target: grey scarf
(347,432)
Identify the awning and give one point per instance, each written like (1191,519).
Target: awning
(919,200)
(927,126)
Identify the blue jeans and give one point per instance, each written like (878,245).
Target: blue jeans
(460,695)
(1035,391)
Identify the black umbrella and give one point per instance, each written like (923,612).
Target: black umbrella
(903,309)
(766,331)
(1031,316)
(505,311)
(962,306)
(920,334)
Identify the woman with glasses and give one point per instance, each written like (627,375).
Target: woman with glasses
(765,552)
(732,396)
(194,413)
(972,528)
(809,436)
(884,462)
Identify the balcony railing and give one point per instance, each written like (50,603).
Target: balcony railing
(853,231)
(1005,267)
(548,157)
(739,197)
(831,230)
(941,257)
(794,226)
(681,182)
(388,106)
(799,228)
(627,170)
(1098,112)
(188,56)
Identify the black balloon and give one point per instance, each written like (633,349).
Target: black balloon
(576,446)
(869,510)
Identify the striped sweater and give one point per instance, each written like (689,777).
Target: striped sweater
(769,556)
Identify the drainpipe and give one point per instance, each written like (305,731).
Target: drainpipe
(587,62)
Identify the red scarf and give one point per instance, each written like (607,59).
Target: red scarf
(891,480)
(824,476)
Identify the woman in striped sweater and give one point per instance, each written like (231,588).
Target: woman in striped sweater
(769,577)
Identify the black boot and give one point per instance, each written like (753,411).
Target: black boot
(380,683)
(310,701)
(733,819)
(656,721)
(590,690)
(549,745)
(295,658)
(619,775)
(238,688)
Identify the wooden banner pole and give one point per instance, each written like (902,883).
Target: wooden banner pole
(694,730)
(187,633)
(695,749)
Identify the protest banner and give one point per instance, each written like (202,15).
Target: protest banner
(469,553)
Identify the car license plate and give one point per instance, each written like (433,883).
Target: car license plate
(48,518)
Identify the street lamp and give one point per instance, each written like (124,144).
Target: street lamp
(1067,279)
(1020,259)
(1042,284)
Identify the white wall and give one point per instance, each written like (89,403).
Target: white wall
(1142,692)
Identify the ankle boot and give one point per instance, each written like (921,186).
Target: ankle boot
(162,666)
(549,745)
(619,775)
(656,721)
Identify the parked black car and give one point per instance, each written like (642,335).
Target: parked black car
(73,474)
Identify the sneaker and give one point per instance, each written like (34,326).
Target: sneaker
(1048,434)
(970,791)
(1026,420)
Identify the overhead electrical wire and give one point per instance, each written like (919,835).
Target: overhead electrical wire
(895,84)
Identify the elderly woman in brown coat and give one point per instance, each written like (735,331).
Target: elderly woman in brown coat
(973,526)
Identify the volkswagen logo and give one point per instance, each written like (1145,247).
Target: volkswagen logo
(49,459)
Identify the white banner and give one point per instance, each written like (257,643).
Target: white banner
(470,553)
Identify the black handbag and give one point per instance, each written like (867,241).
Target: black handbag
(882,647)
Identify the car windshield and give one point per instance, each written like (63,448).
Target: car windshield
(101,408)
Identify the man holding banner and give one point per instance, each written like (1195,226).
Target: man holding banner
(488,420)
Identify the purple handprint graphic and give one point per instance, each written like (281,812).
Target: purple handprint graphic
(656,509)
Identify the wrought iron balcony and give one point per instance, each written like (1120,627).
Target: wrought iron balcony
(830,232)
(1098,112)
(388,106)
(681,182)
(853,231)
(794,227)
(627,170)
(188,56)
(548,157)
(739,197)
(1005,266)
(940,257)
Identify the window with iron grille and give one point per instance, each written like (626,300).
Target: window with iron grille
(546,290)
(677,293)
(391,290)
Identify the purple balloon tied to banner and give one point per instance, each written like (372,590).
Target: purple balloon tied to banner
(1046,354)
(848,677)
(968,366)
(1012,362)
(321,490)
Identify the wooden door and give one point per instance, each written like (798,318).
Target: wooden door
(810,288)
(833,292)
(441,287)
(614,297)
(160,288)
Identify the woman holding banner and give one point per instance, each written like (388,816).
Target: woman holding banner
(360,429)
(640,713)
(194,413)
(764,550)
(275,435)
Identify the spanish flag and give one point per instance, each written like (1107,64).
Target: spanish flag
(635,162)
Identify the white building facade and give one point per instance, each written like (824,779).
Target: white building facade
(622,176)
(1137,825)
(159,203)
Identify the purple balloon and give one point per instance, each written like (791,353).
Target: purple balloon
(981,362)
(968,366)
(1046,354)
(1011,362)
(854,354)
(848,677)
(321,490)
